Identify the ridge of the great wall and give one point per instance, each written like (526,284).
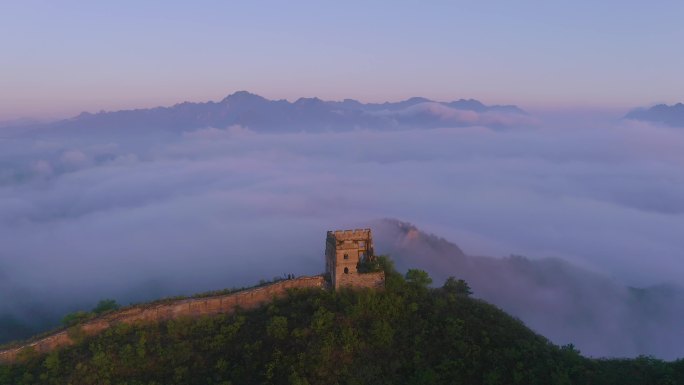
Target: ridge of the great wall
(192,307)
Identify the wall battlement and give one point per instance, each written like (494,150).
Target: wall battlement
(341,235)
(193,307)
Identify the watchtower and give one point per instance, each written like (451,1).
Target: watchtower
(344,251)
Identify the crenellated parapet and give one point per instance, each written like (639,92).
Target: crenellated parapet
(342,235)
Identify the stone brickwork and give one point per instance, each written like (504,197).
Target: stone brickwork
(374,280)
(195,307)
(344,250)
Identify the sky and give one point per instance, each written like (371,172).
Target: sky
(112,211)
(61,58)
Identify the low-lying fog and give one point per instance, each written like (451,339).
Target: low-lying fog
(135,218)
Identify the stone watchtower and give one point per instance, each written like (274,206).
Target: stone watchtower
(344,251)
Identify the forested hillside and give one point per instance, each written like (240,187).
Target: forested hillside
(406,334)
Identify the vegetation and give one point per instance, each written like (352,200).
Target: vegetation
(79,317)
(407,334)
(368,265)
(105,306)
(76,318)
(459,287)
(102,307)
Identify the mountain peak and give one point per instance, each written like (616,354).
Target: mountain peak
(418,99)
(661,113)
(308,101)
(239,96)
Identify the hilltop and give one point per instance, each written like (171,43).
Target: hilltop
(405,334)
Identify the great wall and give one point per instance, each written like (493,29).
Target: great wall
(195,307)
(345,251)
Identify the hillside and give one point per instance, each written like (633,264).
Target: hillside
(556,298)
(406,334)
(559,300)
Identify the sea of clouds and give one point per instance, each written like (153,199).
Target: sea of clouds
(132,217)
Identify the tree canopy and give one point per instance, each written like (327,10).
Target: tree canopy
(458,287)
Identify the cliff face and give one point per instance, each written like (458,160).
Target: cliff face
(247,299)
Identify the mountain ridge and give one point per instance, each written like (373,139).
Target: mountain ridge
(670,115)
(260,114)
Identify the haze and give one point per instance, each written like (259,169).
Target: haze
(138,205)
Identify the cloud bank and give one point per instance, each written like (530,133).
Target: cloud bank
(132,216)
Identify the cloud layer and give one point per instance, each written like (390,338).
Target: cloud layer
(134,217)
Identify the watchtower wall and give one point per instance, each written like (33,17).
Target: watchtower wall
(344,250)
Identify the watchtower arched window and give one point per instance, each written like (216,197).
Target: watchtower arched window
(346,270)
(346,256)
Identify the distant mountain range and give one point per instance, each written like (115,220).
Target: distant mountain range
(662,113)
(259,114)
(306,114)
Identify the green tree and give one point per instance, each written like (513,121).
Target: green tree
(105,305)
(368,265)
(458,287)
(52,365)
(75,318)
(418,278)
(393,280)
(277,327)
